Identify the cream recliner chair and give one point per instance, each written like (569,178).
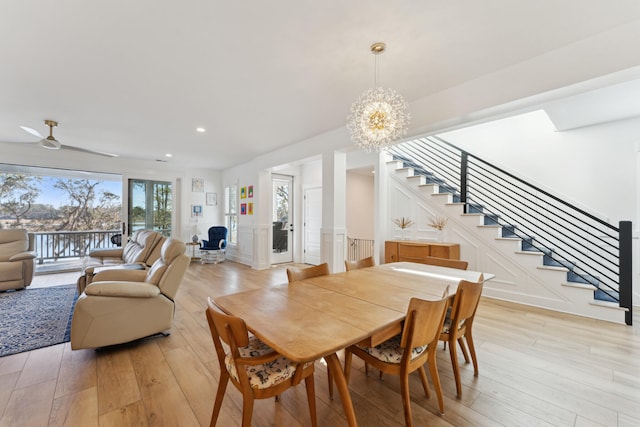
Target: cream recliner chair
(17,259)
(125,305)
(140,252)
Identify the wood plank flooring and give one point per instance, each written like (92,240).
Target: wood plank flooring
(537,368)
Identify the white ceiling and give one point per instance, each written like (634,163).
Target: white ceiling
(137,77)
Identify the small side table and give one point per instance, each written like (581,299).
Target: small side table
(193,246)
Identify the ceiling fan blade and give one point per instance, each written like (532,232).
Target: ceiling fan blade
(32,131)
(21,143)
(85,150)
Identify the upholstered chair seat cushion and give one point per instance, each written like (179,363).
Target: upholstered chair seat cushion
(446,328)
(390,350)
(265,375)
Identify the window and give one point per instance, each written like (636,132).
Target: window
(231,212)
(150,206)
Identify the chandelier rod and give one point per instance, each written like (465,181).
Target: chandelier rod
(375,73)
(377,49)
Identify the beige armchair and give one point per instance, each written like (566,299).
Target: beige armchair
(125,305)
(140,252)
(17,259)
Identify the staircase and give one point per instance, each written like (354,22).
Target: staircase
(551,253)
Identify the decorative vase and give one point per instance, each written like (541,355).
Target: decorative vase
(195,238)
(440,236)
(404,234)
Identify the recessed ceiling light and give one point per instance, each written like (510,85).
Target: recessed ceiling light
(201,130)
(168,155)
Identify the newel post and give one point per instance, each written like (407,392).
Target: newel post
(464,164)
(625,273)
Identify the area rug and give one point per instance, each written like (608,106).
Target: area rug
(35,318)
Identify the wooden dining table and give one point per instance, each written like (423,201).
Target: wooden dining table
(317,317)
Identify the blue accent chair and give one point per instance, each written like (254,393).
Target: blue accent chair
(214,249)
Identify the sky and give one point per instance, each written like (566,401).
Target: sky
(55,197)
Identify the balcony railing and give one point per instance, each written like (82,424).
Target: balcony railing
(59,245)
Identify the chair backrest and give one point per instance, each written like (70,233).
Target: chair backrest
(168,270)
(13,242)
(294,274)
(155,253)
(218,236)
(465,303)
(140,246)
(361,263)
(444,262)
(231,330)
(423,323)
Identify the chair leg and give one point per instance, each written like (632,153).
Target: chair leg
(247,410)
(464,350)
(347,365)
(366,369)
(311,397)
(222,387)
(406,399)
(425,383)
(453,351)
(433,370)
(330,379)
(472,350)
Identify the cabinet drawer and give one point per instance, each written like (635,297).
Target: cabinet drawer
(409,251)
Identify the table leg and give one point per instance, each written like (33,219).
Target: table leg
(333,363)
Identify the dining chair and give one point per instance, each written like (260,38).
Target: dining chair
(458,324)
(420,333)
(256,370)
(444,262)
(361,263)
(301,273)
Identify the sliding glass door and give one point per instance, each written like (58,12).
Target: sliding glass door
(150,206)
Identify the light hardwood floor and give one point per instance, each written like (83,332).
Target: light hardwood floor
(536,368)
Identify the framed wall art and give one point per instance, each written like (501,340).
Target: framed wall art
(250,208)
(196,211)
(212,199)
(243,192)
(250,191)
(243,209)
(197,185)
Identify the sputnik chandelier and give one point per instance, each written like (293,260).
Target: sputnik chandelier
(379,117)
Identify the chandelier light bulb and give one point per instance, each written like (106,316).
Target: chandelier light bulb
(378,119)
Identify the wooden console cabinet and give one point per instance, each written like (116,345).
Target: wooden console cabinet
(414,251)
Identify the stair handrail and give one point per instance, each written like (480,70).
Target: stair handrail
(621,234)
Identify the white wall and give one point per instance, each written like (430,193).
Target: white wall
(593,167)
(359,206)
(211,214)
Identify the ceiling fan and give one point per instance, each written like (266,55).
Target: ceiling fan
(51,143)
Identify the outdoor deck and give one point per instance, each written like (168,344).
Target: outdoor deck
(60,266)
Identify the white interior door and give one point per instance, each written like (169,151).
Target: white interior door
(282,219)
(312,225)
